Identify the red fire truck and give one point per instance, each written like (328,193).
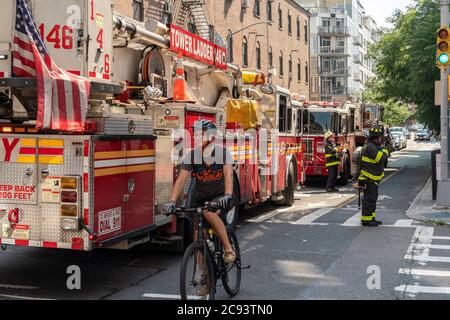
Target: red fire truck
(320,117)
(105,186)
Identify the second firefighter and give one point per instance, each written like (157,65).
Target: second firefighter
(372,164)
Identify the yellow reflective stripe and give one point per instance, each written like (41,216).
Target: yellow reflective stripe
(331,164)
(329,155)
(371,176)
(366,218)
(386,151)
(377,159)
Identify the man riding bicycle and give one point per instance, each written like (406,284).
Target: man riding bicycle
(212,167)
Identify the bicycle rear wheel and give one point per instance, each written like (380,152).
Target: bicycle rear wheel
(197,278)
(232,277)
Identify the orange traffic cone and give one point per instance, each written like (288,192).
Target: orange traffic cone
(179,85)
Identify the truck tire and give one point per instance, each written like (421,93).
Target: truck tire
(346,171)
(288,193)
(232,217)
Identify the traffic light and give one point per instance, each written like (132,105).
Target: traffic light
(443,47)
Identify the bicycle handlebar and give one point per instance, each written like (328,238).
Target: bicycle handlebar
(209,206)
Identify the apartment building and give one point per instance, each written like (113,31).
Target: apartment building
(341,33)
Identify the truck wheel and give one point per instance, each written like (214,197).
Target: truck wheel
(288,193)
(232,217)
(346,172)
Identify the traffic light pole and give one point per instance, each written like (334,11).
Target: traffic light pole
(443,196)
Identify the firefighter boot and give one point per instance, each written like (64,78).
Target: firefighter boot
(372,223)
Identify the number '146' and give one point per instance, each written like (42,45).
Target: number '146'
(60,37)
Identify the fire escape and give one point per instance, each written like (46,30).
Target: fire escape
(192,15)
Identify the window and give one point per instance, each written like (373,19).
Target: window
(298,127)
(290,67)
(298,28)
(281,64)
(289,120)
(306,72)
(351,121)
(258,56)
(245,52)
(306,32)
(282,114)
(191,24)
(269,10)
(299,71)
(305,121)
(289,23)
(257,9)
(230,46)
(280,17)
(138,10)
(270,57)
(321,122)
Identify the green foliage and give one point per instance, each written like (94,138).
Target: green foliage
(405,60)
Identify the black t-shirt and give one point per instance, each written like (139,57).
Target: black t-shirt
(207,167)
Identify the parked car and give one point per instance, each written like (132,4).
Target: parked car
(422,135)
(400,140)
(405,131)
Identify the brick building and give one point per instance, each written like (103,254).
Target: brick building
(259,34)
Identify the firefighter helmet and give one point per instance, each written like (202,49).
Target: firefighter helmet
(328,134)
(376,131)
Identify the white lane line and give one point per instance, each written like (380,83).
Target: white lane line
(313,216)
(354,221)
(436,238)
(22,297)
(422,272)
(427,258)
(433,246)
(423,289)
(169,296)
(14,286)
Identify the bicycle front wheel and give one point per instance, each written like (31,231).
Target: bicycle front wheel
(231,279)
(197,278)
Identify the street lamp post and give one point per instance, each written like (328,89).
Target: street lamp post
(443,194)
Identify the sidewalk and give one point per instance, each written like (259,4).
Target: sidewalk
(423,208)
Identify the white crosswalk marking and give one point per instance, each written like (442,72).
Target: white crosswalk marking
(353,221)
(419,251)
(313,216)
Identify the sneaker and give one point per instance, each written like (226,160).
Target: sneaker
(229,257)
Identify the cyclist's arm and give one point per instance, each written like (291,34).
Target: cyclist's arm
(228,176)
(179,184)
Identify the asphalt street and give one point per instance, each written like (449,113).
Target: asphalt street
(314,250)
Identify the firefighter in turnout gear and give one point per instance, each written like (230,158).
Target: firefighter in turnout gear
(373,158)
(332,155)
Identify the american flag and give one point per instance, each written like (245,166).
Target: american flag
(62,97)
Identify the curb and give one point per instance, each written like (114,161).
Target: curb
(411,212)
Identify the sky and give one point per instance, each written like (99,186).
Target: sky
(382,9)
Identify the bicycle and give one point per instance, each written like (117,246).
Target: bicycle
(204,257)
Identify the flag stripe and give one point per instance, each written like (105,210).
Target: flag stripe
(62,97)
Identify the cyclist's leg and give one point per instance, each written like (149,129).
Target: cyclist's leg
(217,224)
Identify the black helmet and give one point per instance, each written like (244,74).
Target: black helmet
(205,125)
(376,131)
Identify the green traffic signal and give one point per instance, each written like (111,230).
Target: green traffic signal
(443,58)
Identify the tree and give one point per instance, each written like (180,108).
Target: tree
(405,62)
